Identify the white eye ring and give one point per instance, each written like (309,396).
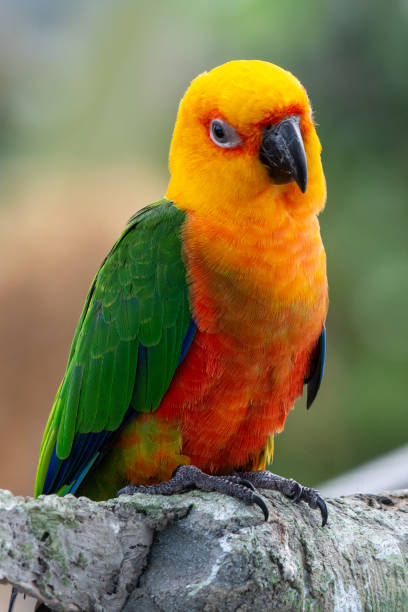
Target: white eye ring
(224,135)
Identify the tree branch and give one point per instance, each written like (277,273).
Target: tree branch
(203,551)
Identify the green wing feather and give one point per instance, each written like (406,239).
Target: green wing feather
(139,297)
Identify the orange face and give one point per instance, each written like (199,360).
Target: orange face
(243,98)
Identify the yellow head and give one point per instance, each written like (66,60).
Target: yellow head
(245,139)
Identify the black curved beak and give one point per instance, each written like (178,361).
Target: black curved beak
(283,152)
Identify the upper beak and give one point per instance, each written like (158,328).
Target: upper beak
(283,152)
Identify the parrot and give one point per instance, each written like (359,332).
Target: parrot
(207,317)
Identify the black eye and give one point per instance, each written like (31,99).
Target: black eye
(223,134)
(218,131)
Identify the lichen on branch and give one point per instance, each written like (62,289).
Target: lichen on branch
(205,551)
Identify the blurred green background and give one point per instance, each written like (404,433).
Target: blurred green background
(88,99)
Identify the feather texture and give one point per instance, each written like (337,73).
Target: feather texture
(132,332)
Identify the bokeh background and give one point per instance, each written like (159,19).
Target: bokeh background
(88,97)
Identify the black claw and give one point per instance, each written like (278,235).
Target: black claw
(323,509)
(256,499)
(246,483)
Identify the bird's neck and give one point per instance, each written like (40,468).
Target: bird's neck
(255,271)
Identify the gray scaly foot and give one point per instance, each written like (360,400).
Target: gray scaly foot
(187,477)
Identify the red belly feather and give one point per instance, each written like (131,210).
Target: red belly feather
(227,399)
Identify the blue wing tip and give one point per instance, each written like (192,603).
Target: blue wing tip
(188,339)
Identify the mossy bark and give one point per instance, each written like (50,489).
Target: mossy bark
(202,551)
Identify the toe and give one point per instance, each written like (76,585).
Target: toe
(129,490)
(315,500)
(297,491)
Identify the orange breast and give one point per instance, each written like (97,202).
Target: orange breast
(259,298)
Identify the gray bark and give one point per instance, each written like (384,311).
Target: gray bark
(203,551)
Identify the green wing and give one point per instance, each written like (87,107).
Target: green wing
(129,340)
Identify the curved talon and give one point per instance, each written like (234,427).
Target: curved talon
(246,483)
(256,499)
(323,509)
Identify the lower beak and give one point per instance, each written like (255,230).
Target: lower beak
(283,152)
